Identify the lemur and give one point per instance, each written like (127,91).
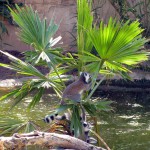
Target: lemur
(74,92)
(85,125)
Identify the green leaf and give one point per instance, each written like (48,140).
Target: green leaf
(90,108)
(63,108)
(84,22)
(75,121)
(10,94)
(37,33)
(36,97)
(30,126)
(39,81)
(9,125)
(22,67)
(103,105)
(118,45)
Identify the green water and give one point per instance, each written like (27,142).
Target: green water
(125,128)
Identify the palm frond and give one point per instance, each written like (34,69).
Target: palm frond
(118,44)
(103,105)
(37,97)
(39,34)
(30,126)
(76,124)
(9,126)
(96,106)
(21,66)
(63,108)
(38,83)
(34,31)
(84,22)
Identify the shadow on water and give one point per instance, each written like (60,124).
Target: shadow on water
(127,127)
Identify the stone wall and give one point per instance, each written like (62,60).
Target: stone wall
(64,11)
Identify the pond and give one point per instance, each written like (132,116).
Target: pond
(127,127)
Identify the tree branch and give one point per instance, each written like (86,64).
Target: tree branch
(18,141)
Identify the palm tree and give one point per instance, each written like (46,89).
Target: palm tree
(39,34)
(117,44)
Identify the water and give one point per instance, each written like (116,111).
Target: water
(125,128)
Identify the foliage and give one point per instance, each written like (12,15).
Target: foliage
(138,10)
(38,34)
(117,45)
(5,14)
(84,22)
(94,107)
(39,83)
(9,126)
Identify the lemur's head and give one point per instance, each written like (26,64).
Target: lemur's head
(85,77)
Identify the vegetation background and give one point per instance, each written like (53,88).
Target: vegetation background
(117,45)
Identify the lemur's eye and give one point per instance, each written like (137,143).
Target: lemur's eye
(85,124)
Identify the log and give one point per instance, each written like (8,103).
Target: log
(18,141)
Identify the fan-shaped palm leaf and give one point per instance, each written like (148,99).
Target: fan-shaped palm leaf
(117,45)
(39,34)
(10,126)
(34,31)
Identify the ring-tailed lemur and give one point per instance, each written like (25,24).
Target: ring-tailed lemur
(86,126)
(75,90)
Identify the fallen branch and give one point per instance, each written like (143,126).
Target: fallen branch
(18,141)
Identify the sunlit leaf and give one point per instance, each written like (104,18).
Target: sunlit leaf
(118,44)
(84,22)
